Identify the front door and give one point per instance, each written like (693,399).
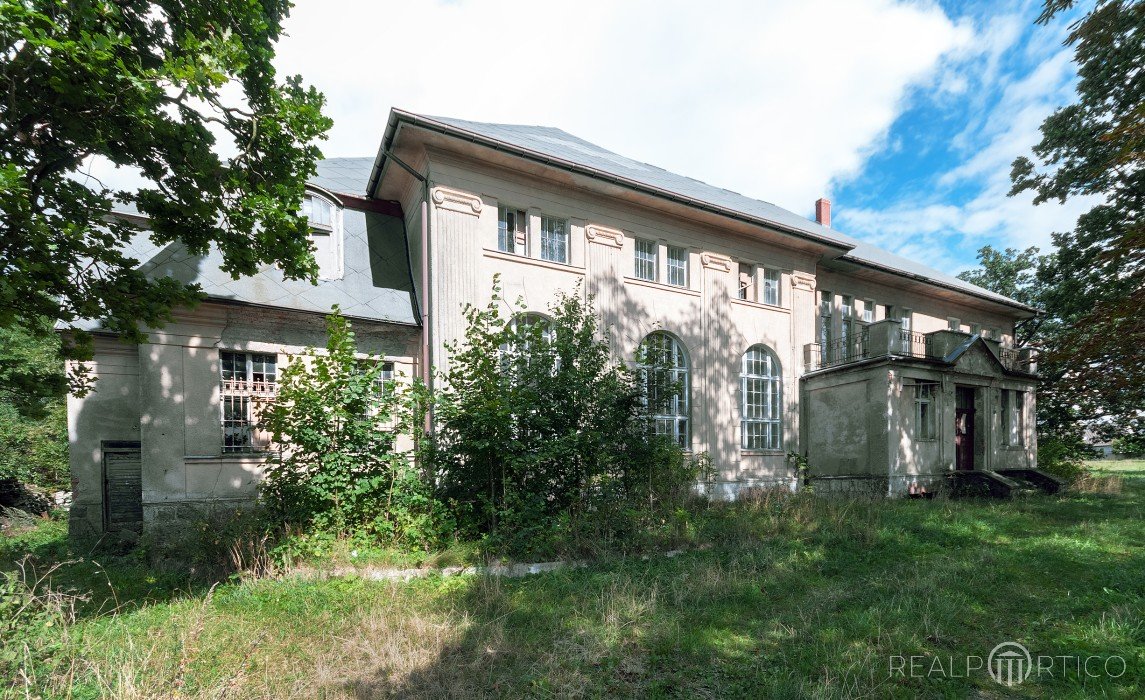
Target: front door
(964,427)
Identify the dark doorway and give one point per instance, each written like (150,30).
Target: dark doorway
(122,485)
(964,427)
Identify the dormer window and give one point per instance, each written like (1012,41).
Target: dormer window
(325,235)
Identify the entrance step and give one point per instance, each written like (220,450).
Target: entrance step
(1034,479)
(981,483)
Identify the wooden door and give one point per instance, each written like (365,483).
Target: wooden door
(964,428)
(122,485)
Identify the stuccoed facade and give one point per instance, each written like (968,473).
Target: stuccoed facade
(793,337)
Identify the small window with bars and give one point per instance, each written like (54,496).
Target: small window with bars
(554,240)
(248,383)
(677,266)
(645,260)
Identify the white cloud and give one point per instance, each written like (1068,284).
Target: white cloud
(1006,109)
(770,99)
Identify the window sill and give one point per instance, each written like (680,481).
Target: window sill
(760,305)
(231,457)
(513,257)
(661,286)
(745,452)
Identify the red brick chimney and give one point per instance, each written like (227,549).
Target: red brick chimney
(823,211)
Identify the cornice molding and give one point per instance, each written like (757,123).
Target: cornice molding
(456,200)
(716,261)
(604,235)
(802,281)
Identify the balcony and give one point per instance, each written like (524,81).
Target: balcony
(888,339)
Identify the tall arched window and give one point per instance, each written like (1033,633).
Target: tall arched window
(664,362)
(761,400)
(530,333)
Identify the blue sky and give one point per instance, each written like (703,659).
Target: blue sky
(933,187)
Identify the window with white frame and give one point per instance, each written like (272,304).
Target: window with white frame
(975,329)
(677,266)
(925,411)
(1012,417)
(325,235)
(771,294)
(868,311)
(954,324)
(511,226)
(907,320)
(248,382)
(664,363)
(533,333)
(646,259)
(554,239)
(761,400)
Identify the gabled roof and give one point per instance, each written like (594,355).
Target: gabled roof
(560,149)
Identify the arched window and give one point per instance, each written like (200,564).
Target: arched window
(664,362)
(529,333)
(325,234)
(761,387)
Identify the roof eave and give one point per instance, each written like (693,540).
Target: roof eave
(397,116)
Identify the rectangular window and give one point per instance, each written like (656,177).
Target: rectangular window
(975,329)
(994,333)
(746,281)
(826,304)
(554,240)
(868,311)
(510,228)
(925,411)
(248,384)
(907,319)
(889,312)
(771,286)
(1012,417)
(678,266)
(646,259)
(953,323)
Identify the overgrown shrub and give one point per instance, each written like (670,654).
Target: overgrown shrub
(340,469)
(1062,456)
(540,429)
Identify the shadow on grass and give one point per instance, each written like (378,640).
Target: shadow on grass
(816,610)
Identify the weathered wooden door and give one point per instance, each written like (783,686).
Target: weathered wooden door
(964,428)
(122,485)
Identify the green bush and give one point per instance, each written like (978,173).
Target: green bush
(1062,456)
(340,468)
(541,433)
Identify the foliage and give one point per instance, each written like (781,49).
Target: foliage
(1063,455)
(33,418)
(184,95)
(538,428)
(1131,446)
(338,424)
(1093,285)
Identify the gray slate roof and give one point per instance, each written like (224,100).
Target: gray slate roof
(375,285)
(343,175)
(562,149)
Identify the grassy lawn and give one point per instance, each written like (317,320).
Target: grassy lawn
(785,597)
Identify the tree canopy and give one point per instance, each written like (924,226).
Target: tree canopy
(183,93)
(1090,286)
